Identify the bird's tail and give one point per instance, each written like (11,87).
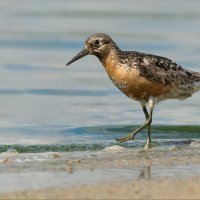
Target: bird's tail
(196,75)
(197,80)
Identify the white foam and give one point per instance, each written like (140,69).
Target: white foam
(114,148)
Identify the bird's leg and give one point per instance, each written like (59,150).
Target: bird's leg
(131,136)
(151,106)
(147,123)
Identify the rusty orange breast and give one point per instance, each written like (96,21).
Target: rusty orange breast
(128,80)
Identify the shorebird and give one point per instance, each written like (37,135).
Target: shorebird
(143,77)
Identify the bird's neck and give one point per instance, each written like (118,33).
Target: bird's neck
(111,56)
(110,60)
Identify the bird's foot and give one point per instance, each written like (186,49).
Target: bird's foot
(124,139)
(148,145)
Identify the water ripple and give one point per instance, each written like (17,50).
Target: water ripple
(57,92)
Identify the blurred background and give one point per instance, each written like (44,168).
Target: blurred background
(38,37)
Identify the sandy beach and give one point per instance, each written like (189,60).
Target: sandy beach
(116,173)
(140,189)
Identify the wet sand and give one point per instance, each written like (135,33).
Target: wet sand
(140,189)
(113,173)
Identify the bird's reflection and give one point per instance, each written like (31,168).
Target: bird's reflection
(145,173)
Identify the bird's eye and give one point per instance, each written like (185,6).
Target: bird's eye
(96,42)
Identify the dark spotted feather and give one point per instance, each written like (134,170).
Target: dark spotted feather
(160,69)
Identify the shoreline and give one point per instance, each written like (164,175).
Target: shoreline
(114,172)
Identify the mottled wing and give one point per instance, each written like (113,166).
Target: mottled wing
(163,70)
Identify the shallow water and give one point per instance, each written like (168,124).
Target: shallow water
(87,177)
(48,107)
(26,171)
(37,139)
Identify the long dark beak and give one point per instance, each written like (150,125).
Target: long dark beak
(83,53)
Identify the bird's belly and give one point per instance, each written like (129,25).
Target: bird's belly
(139,88)
(144,89)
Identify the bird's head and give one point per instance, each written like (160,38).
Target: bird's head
(98,44)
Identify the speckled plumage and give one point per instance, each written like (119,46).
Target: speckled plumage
(146,78)
(160,70)
(157,69)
